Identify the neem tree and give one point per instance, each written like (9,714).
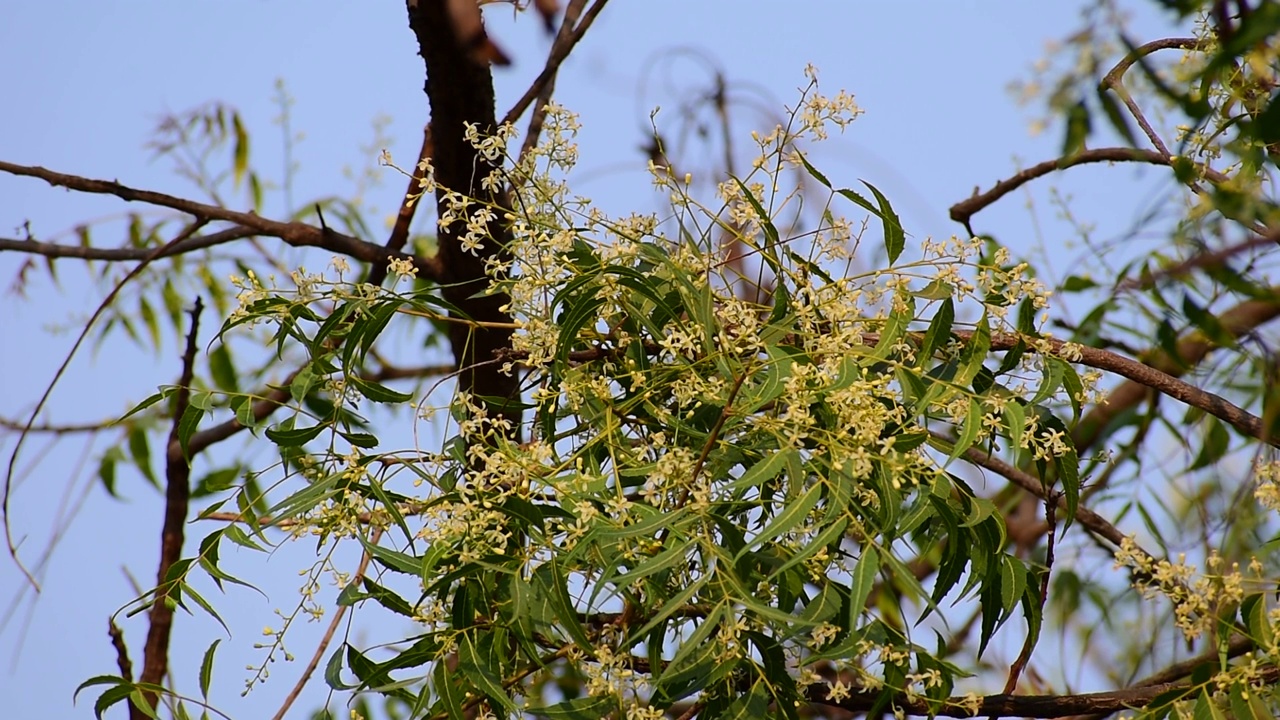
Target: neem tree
(704,465)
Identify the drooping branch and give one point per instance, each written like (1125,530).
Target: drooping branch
(293,233)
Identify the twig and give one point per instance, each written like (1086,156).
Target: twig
(5,515)
(122,653)
(554,60)
(155,661)
(329,632)
(9,424)
(1114,80)
(408,206)
(559,51)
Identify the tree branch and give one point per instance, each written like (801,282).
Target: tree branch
(554,59)
(1191,351)
(54,250)
(155,660)
(461,94)
(293,233)
(1149,377)
(1026,706)
(964,210)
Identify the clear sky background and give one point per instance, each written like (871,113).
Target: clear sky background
(84,84)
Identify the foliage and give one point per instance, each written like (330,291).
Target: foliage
(753,483)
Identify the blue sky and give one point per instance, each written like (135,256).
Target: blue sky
(92,79)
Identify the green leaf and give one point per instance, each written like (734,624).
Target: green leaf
(553,585)
(187,425)
(939,332)
(294,437)
(665,560)
(140,452)
(475,668)
(360,440)
(828,535)
(449,690)
(1215,444)
(240,154)
(151,400)
(763,471)
(791,516)
(223,369)
(894,237)
(864,578)
(1077,130)
(206,669)
(969,431)
(589,707)
(377,392)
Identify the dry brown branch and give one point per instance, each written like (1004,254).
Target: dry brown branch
(123,664)
(155,659)
(560,48)
(293,233)
(554,59)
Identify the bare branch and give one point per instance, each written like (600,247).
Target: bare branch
(559,49)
